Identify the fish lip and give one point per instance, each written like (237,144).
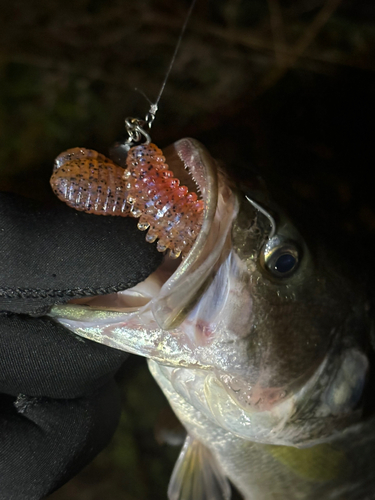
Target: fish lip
(169,307)
(203,169)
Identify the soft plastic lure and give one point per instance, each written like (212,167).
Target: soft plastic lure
(88,181)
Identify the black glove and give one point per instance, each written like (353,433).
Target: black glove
(59,405)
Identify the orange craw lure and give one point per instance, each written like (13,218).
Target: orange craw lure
(88,181)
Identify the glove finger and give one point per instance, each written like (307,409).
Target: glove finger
(45,442)
(52,255)
(39,357)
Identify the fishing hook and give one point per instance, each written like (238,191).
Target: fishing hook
(266,214)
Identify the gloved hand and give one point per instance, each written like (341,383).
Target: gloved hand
(59,404)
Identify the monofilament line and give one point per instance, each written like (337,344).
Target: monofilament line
(175,53)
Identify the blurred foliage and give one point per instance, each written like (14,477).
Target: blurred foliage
(285,87)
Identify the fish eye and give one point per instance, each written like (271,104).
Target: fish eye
(281,260)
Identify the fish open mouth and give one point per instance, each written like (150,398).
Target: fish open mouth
(195,169)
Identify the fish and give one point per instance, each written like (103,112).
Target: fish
(262,343)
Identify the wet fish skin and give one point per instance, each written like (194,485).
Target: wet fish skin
(268,373)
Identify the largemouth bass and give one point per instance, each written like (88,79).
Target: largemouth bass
(262,346)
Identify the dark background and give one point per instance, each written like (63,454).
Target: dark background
(282,87)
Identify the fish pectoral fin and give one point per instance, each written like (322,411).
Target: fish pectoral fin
(197,475)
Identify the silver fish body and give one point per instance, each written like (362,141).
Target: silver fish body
(261,346)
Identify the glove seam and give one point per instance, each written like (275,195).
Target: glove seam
(50,292)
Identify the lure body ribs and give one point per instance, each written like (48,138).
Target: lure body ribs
(90,182)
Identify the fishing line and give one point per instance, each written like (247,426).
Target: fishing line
(266,214)
(174,53)
(135,181)
(135,126)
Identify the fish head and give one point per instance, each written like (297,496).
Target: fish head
(256,330)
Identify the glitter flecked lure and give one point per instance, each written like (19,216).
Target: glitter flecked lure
(90,182)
